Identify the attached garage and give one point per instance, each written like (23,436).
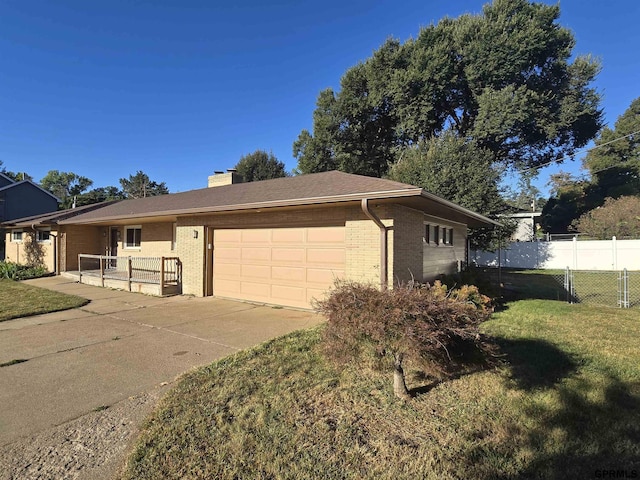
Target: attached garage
(281,266)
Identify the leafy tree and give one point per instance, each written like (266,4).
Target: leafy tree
(457,170)
(100,194)
(65,186)
(526,195)
(503,78)
(570,198)
(260,165)
(615,167)
(428,326)
(617,217)
(140,186)
(15,176)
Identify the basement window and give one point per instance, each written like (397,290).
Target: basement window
(132,236)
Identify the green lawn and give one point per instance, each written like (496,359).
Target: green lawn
(21,300)
(565,404)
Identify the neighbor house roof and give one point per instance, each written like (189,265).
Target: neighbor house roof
(311,189)
(15,184)
(52,218)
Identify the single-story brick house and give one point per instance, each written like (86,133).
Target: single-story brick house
(281,241)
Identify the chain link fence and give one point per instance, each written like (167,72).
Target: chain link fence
(615,288)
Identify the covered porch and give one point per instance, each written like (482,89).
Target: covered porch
(159,276)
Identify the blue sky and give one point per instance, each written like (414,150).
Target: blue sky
(179,89)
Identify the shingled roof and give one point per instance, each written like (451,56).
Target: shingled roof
(52,218)
(311,189)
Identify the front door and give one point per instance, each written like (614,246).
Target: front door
(113,245)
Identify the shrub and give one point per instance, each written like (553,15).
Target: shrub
(14,271)
(429,325)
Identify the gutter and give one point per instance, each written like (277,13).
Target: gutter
(384,257)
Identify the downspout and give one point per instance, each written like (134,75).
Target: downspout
(383,242)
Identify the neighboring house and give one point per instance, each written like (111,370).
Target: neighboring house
(22,199)
(282,241)
(526,227)
(37,239)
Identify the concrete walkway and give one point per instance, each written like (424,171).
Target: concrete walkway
(116,347)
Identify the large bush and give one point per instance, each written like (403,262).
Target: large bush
(619,217)
(14,271)
(428,325)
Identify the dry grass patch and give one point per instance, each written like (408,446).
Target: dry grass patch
(565,404)
(21,300)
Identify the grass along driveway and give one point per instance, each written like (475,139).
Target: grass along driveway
(565,404)
(21,300)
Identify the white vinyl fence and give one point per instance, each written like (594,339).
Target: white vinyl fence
(557,255)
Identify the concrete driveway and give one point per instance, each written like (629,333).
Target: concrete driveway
(117,346)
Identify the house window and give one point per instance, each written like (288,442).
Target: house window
(450,242)
(16,236)
(132,236)
(43,236)
(427,233)
(436,234)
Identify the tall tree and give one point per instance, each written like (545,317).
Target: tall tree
(100,194)
(260,165)
(65,186)
(615,162)
(457,170)
(503,78)
(140,186)
(15,176)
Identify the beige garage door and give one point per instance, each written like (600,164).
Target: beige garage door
(282,266)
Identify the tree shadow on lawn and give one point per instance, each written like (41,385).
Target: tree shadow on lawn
(593,427)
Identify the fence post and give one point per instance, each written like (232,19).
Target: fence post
(625,287)
(575,253)
(568,285)
(614,252)
(101,269)
(129,272)
(162,276)
(79,268)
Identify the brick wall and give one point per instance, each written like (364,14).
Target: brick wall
(76,239)
(191,252)
(408,234)
(439,259)
(16,252)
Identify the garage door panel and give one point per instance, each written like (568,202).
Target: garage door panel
(288,255)
(288,294)
(288,235)
(256,236)
(232,236)
(284,266)
(255,288)
(253,253)
(256,271)
(291,274)
(326,256)
(228,253)
(228,270)
(323,276)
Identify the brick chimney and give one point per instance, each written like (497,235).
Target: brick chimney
(219,178)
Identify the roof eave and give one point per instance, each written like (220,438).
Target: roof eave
(254,205)
(465,211)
